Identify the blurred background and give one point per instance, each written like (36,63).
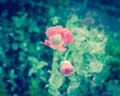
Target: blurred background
(24,62)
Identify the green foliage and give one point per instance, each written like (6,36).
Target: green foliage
(113,87)
(51,11)
(87,49)
(100,78)
(87,56)
(55,80)
(11,80)
(34,89)
(15,46)
(26,66)
(3,85)
(21,50)
(33,26)
(36,65)
(19,21)
(112,49)
(73,88)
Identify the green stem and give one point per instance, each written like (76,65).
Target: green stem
(54,53)
(54,62)
(66,55)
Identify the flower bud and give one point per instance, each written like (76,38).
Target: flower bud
(66,68)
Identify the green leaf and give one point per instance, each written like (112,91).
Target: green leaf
(54,92)
(19,35)
(113,87)
(15,46)
(13,83)
(73,89)
(1,50)
(33,59)
(34,28)
(34,88)
(96,67)
(56,79)
(36,65)
(19,21)
(12,74)
(103,75)
(51,11)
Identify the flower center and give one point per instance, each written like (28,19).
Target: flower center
(57,39)
(68,70)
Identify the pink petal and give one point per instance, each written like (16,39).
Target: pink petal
(52,31)
(67,71)
(68,38)
(59,48)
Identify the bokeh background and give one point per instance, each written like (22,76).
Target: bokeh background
(25,63)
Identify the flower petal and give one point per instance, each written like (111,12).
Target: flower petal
(68,38)
(59,48)
(52,31)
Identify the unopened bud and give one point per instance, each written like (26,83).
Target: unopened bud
(66,68)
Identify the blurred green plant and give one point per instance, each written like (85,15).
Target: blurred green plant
(20,49)
(34,89)
(88,57)
(55,80)
(3,85)
(26,67)
(11,80)
(113,50)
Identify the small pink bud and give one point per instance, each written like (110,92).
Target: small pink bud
(66,68)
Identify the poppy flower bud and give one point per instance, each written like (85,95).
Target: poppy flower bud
(66,68)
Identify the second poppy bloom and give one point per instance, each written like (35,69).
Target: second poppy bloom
(58,37)
(66,68)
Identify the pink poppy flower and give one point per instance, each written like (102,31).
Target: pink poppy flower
(58,37)
(66,68)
